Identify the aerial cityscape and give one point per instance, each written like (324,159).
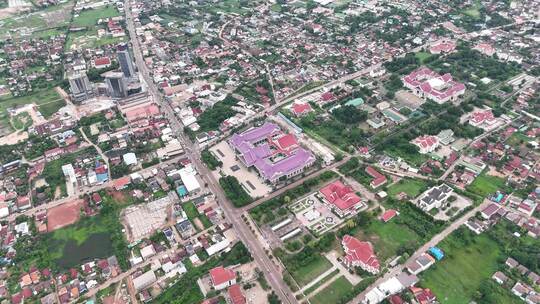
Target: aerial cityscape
(270,151)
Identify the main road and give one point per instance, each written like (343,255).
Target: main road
(270,270)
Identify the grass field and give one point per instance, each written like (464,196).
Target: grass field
(386,237)
(321,282)
(49,98)
(40,23)
(485,185)
(457,277)
(48,109)
(472,12)
(308,273)
(21,121)
(89,18)
(422,56)
(333,292)
(192,213)
(413,187)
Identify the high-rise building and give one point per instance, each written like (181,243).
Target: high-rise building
(80,86)
(124,59)
(116,84)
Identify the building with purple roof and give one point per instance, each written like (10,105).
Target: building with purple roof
(274,154)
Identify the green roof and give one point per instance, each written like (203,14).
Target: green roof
(355,102)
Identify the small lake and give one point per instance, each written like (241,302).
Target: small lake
(96,246)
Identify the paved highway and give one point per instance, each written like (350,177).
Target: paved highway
(270,270)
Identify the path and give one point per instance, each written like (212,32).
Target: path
(103,156)
(316,280)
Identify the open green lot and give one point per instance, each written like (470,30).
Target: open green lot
(413,187)
(387,238)
(89,18)
(458,276)
(192,214)
(485,185)
(50,100)
(472,12)
(40,23)
(333,292)
(422,56)
(308,273)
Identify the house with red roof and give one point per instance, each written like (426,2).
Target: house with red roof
(388,215)
(222,277)
(426,83)
(102,62)
(378,178)
(301,109)
(423,296)
(442,46)
(121,183)
(482,119)
(485,48)
(235,295)
(341,198)
(359,254)
(426,143)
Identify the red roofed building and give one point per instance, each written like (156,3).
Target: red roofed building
(102,62)
(144,112)
(443,46)
(426,143)
(388,215)
(54,153)
(426,83)
(423,296)
(121,183)
(485,48)
(222,277)
(341,198)
(378,178)
(359,254)
(300,109)
(235,294)
(482,119)
(96,198)
(327,97)
(287,141)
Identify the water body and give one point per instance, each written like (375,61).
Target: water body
(96,246)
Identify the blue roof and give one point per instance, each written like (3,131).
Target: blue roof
(499,197)
(102,177)
(182,191)
(436,253)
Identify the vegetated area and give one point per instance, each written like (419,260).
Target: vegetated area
(212,118)
(412,187)
(485,185)
(53,169)
(464,275)
(88,21)
(48,102)
(193,214)
(272,209)
(340,129)
(210,160)
(333,292)
(307,273)
(234,191)
(49,21)
(94,237)
(185,290)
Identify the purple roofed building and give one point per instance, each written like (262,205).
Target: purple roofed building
(274,154)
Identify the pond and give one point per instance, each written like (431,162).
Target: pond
(96,246)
